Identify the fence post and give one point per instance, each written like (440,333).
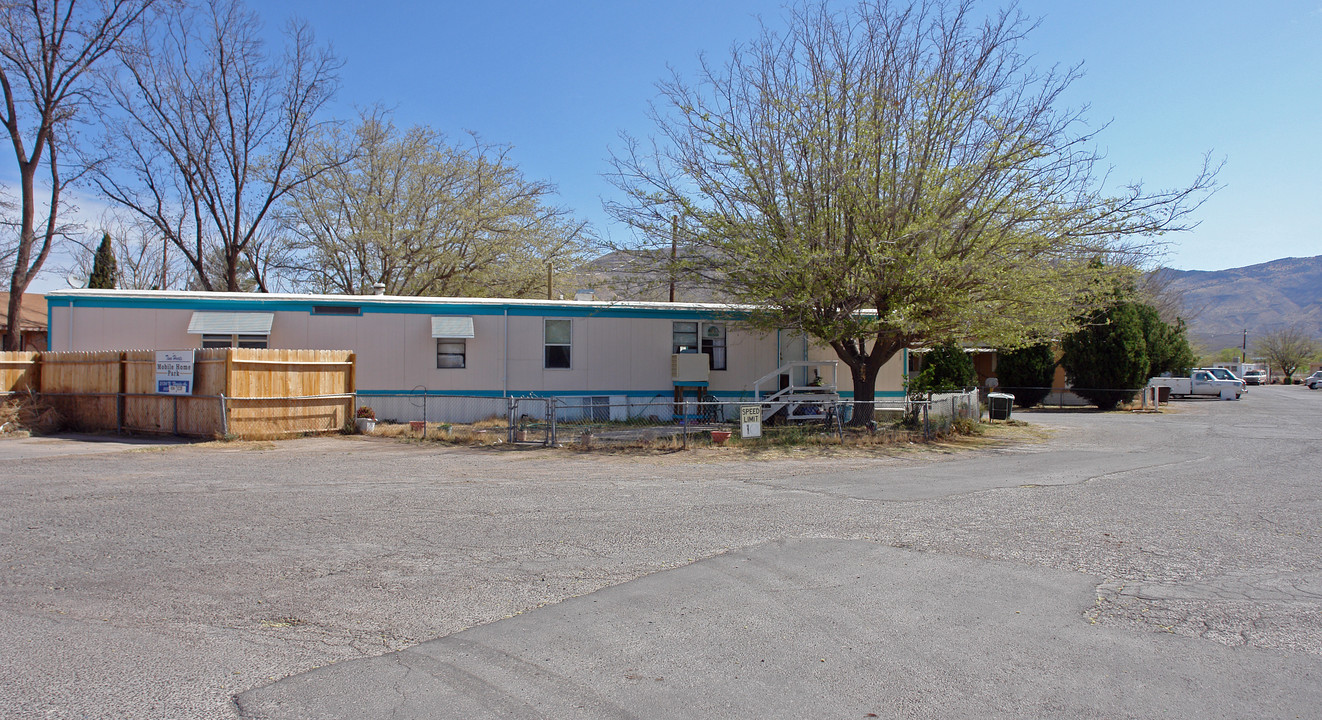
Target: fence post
(684,421)
(510,406)
(551,411)
(224,418)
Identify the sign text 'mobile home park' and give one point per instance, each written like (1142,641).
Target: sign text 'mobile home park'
(174,372)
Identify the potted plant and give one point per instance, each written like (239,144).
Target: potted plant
(365,419)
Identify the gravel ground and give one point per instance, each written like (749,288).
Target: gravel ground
(146,581)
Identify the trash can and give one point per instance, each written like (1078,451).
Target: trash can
(998,406)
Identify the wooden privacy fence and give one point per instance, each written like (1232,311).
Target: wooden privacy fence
(19,372)
(237,392)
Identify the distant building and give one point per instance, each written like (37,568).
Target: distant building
(32,322)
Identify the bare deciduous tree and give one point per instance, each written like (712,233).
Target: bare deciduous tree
(426,217)
(209,130)
(48,52)
(142,260)
(886,177)
(1287,350)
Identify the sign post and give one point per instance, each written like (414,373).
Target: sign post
(750,418)
(174,372)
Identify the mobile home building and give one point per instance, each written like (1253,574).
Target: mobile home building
(469,347)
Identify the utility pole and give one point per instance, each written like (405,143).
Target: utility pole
(1245,349)
(674,234)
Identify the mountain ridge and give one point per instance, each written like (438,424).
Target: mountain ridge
(1220,305)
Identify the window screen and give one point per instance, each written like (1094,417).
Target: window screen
(684,337)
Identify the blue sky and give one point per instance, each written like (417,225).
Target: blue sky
(559,81)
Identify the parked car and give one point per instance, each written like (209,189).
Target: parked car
(1255,377)
(1314,381)
(1199,382)
(1223,374)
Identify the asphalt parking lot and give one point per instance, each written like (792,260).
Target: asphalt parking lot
(1131,565)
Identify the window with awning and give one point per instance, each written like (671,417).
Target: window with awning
(229,323)
(451,333)
(229,329)
(452,327)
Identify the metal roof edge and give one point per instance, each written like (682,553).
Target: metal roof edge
(389,300)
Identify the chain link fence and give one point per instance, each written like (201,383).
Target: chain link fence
(620,421)
(660,422)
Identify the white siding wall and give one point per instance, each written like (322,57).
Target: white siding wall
(395,350)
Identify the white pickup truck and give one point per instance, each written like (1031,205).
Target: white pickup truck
(1199,382)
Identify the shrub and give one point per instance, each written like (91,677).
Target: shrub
(366,412)
(946,368)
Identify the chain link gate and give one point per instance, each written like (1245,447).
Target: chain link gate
(532,420)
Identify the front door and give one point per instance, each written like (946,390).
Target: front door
(793,348)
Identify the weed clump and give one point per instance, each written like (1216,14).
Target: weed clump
(27,412)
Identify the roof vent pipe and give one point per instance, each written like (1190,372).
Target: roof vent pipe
(379,288)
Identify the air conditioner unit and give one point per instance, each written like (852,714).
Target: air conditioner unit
(689,368)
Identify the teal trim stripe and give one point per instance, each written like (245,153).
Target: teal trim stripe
(667,393)
(663,393)
(368,308)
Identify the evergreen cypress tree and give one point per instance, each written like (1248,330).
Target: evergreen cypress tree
(1167,345)
(104,268)
(1106,359)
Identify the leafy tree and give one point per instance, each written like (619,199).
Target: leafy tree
(49,55)
(946,368)
(426,217)
(209,130)
(1027,373)
(883,177)
(1106,359)
(1287,350)
(1230,354)
(104,272)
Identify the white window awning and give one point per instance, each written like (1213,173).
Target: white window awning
(452,327)
(227,323)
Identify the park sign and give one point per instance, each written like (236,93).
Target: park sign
(174,372)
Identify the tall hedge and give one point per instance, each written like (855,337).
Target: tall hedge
(1026,373)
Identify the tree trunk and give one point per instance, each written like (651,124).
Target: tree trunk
(865,393)
(15,318)
(864,368)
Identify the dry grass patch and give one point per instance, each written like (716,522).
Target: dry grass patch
(28,413)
